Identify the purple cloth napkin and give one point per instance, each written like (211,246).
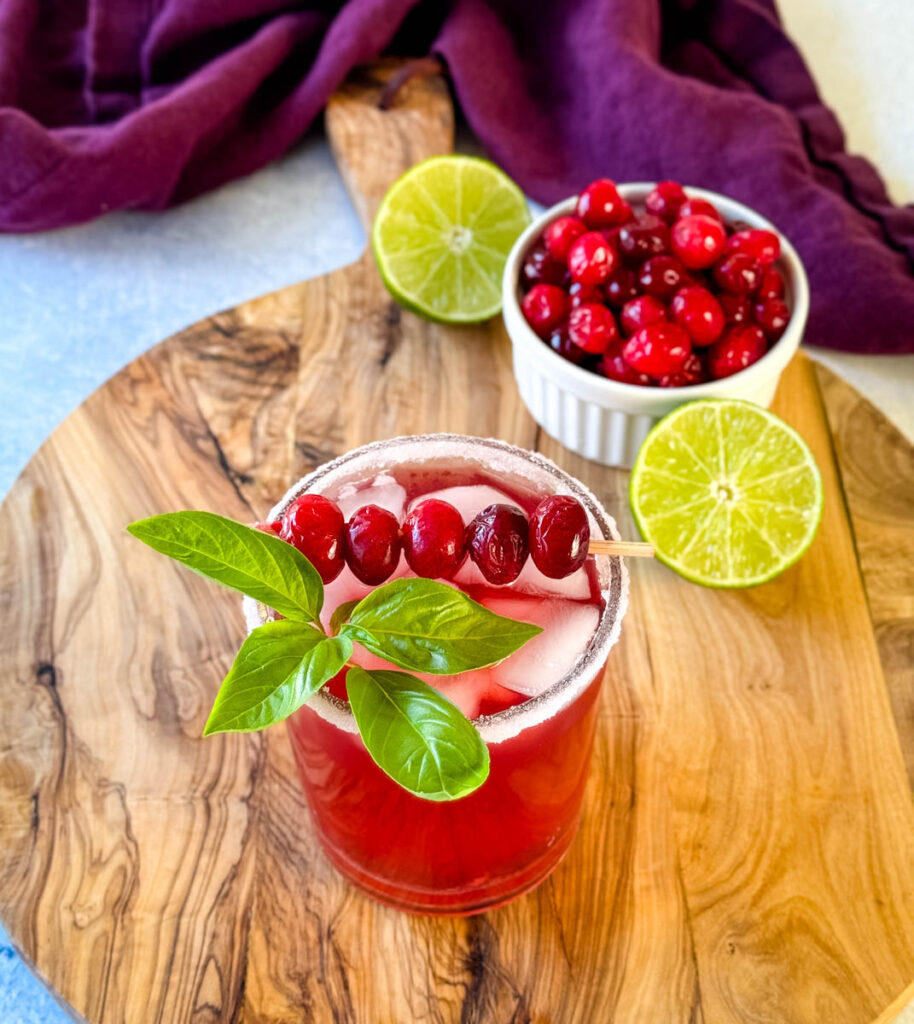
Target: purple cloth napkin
(106,104)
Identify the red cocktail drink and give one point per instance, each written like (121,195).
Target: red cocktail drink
(536,710)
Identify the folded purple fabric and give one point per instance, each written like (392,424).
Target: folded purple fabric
(106,104)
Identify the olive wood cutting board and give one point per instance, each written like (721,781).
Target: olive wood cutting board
(747,847)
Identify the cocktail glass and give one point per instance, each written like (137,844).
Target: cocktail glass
(536,711)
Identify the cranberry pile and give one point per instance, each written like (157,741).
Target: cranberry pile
(670,297)
(434,539)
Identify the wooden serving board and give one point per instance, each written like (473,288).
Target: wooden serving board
(747,851)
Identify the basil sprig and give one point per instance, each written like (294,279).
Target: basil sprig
(413,733)
(280,665)
(425,626)
(247,560)
(420,739)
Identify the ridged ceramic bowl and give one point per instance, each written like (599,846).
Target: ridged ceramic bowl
(606,420)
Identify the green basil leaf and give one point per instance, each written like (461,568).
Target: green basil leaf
(426,626)
(417,736)
(280,665)
(341,614)
(241,557)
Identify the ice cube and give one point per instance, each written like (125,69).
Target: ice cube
(381,490)
(471,499)
(575,587)
(542,661)
(346,587)
(468,500)
(467,690)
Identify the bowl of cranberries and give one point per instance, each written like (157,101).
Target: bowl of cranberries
(625,301)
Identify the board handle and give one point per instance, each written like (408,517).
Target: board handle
(373,144)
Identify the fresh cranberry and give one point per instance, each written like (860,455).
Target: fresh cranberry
(737,273)
(545,306)
(560,234)
(662,276)
(614,366)
(700,207)
(592,327)
(737,308)
(559,342)
(497,542)
(740,347)
(600,205)
(626,213)
(591,259)
(640,312)
(559,535)
(644,237)
(772,316)
(696,309)
(621,285)
(269,527)
(314,524)
(434,539)
(658,349)
(771,286)
(692,372)
(612,236)
(763,246)
(372,544)
(698,240)
(579,293)
(664,200)
(540,268)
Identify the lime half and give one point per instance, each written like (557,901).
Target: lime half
(727,492)
(442,235)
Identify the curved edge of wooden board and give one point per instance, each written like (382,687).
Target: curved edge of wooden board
(62,1004)
(892,1014)
(877,483)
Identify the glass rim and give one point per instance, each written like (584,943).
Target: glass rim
(614,580)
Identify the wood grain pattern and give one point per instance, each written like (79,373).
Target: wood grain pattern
(747,852)
(877,479)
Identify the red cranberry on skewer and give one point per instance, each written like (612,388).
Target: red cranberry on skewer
(559,535)
(497,542)
(314,525)
(372,544)
(434,539)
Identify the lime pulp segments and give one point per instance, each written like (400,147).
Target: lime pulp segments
(728,493)
(442,235)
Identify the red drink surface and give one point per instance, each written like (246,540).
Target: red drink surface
(470,854)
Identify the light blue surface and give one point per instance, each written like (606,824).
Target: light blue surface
(76,305)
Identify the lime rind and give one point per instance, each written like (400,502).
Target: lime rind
(704,450)
(425,207)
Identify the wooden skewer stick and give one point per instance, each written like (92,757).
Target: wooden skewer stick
(628,548)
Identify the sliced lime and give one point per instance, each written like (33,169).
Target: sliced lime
(727,492)
(442,235)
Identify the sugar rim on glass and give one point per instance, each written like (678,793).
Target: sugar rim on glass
(498,456)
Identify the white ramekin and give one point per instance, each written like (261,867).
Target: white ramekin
(607,420)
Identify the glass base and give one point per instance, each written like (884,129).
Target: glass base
(453,903)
